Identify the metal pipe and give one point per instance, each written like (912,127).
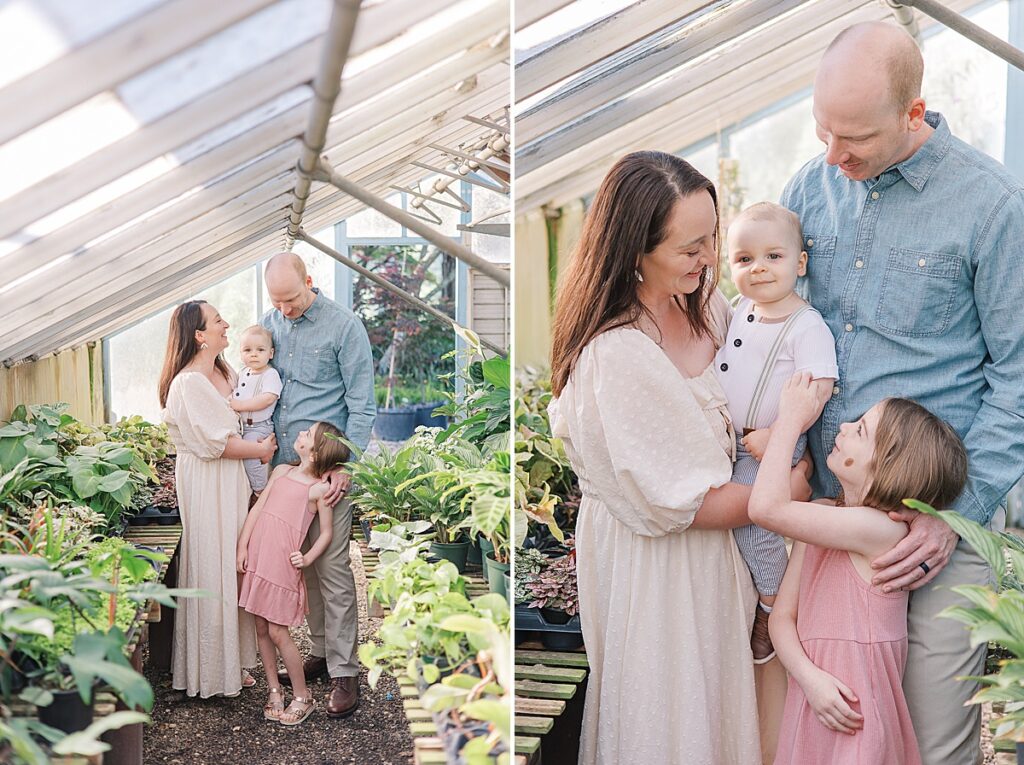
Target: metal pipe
(905,18)
(382,282)
(493,146)
(326,87)
(459,251)
(968,29)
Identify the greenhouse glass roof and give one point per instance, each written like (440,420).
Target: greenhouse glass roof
(149,148)
(660,75)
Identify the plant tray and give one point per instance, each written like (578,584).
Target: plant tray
(527,618)
(165,516)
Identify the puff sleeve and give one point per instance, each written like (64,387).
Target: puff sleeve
(637,436)
(199,420)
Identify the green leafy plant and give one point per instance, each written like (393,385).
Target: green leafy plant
(994,615)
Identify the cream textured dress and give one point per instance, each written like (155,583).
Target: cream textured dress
(213,638)
(666,610)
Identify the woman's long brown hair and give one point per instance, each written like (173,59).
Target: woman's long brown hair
(628,219)
(182,347)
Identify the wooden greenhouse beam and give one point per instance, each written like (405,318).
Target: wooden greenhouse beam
(442,241)
(611,99)
(326,87)
(702,106)
(383,283)
(112,58)
(531,11)
(233,251)
(193,119)
(429,92)
(62,313)
(636,69)
(588,45)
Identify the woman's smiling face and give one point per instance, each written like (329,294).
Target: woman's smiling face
(675,266)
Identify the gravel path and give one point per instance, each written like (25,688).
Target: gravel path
(223,731)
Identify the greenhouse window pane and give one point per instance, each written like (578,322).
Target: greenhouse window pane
(967,84)
(370,223)
(705,161)
(763,174)
(136,355)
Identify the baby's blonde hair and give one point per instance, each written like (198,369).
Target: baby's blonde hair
(776,213)
(259,329)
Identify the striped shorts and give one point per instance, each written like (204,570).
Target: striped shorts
(763,551)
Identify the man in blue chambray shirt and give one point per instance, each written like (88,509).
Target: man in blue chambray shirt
(322,353)
(915,241)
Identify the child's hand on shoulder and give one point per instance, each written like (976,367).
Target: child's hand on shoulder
(798,403)
(298,560)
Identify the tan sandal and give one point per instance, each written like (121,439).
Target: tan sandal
(273,710)
(295,714)
(248,681)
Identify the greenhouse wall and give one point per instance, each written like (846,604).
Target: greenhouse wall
(489,314)
(74,376)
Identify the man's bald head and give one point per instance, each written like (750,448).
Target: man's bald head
(880,52)
(288,284)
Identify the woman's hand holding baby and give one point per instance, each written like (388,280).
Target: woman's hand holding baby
(269,446)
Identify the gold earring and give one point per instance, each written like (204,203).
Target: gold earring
(638,275)
(203,346)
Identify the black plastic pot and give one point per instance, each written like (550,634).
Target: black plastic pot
(555,616)
(456,552)
(561,641)
(474,555)
(66,712)
(424,416)
(396,424)
(444,668)
(364,524)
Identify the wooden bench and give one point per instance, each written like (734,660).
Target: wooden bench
(547,684)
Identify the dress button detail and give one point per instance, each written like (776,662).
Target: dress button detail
(875,195)
(750,317)
(859,264)
(737,342)
(724,367)
(849,328)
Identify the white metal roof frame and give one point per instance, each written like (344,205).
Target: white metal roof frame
(716,64)
(227,204)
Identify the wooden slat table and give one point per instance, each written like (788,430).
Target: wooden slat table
(547,683)
(428,748)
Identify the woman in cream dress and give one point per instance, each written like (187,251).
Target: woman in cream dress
(214,640)
(665,598)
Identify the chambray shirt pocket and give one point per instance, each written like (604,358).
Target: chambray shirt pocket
(316,363)
(918,292)
(821,250)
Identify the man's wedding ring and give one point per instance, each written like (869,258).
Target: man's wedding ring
(925,566)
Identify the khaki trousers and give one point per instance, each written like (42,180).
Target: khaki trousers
(948,733)
(333,617)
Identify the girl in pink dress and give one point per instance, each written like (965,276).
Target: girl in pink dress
(843,640)
(271,562)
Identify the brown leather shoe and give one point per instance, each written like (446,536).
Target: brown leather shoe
(760,638)
(344,698)
(314,667)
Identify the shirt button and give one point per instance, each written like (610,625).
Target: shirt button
(859,264)
(875,195)
(835,391)
(724,367)
(849,328)
(737,342)
(750,317)
(810,242)
(921,262)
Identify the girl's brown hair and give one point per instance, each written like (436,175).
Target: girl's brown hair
(917,455)
(182,347)
(328,451)
(628,219)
